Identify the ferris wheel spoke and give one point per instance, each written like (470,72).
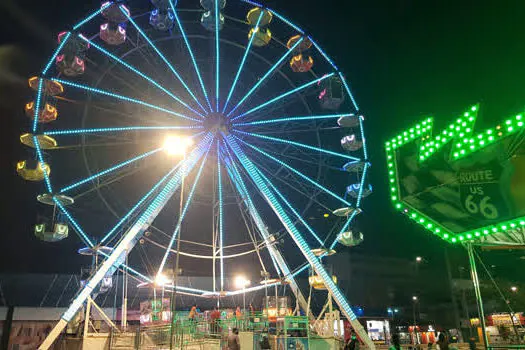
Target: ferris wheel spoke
(109,170)
(139,73)
(139,203)
(292,119)
(268,73)
(221,213)
(164,59)
(287,203)
(306,192)
(184,210)
(280,97)
(119,129)
(108,182)
(297,144)
(240,186)
(190,51)
(243,61)
(217,57)
(297,172)
(92,15)
(122,98)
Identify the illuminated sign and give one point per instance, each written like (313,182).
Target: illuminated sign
(458,184)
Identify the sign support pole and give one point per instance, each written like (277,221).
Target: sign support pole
(479,301)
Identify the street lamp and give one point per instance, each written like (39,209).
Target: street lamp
(415,299)
(161,280)
(514,289)
(177,145)
(241,283)
(419,259)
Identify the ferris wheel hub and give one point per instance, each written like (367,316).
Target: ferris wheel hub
(217,123)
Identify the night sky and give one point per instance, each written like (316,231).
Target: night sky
(404,60)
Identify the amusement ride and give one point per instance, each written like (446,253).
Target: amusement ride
(174,137)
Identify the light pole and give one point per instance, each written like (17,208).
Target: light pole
(241,283)
(414,300)
(177,146)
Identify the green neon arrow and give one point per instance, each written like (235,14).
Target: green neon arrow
(461,132)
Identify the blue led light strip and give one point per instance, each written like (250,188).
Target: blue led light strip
(221,213)
(127,128)
(91,16)
(170,66)
(292,119)
(323,53)
(36,114)
(275,99)
(139,203)
(186,41)
(83,236)
(253,3)
(109,170)
(348,91)
(270,71)
(241,66)
(282,18)
(123,98)
(54,56)
(139,73)
(280,195)
(184,210)
(363,178)
(363,138)
(41,163)
(297,172)
(269,138)
(217,56)
(299,240)
(117,256)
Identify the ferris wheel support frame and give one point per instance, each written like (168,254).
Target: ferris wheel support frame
(128,241)
(274,252)
(299,241)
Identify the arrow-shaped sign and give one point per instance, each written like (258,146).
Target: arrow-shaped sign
(459,185)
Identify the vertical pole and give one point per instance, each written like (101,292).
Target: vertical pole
(176,272)
(453,296)
(415,324)
(479,301)
(125,297)
(86,319)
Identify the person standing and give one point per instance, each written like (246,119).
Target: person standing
(395,342)
(442,343)
(233,340)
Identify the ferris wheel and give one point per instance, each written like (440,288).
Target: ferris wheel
(204,131)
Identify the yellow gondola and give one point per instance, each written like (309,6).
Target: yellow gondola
(45,142)
(253,16)
(262,36)
(51,87)
(317,282)
(32,174)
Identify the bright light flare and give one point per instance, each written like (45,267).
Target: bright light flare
(241,282)
(177,145)
(162,280)
(514,289)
